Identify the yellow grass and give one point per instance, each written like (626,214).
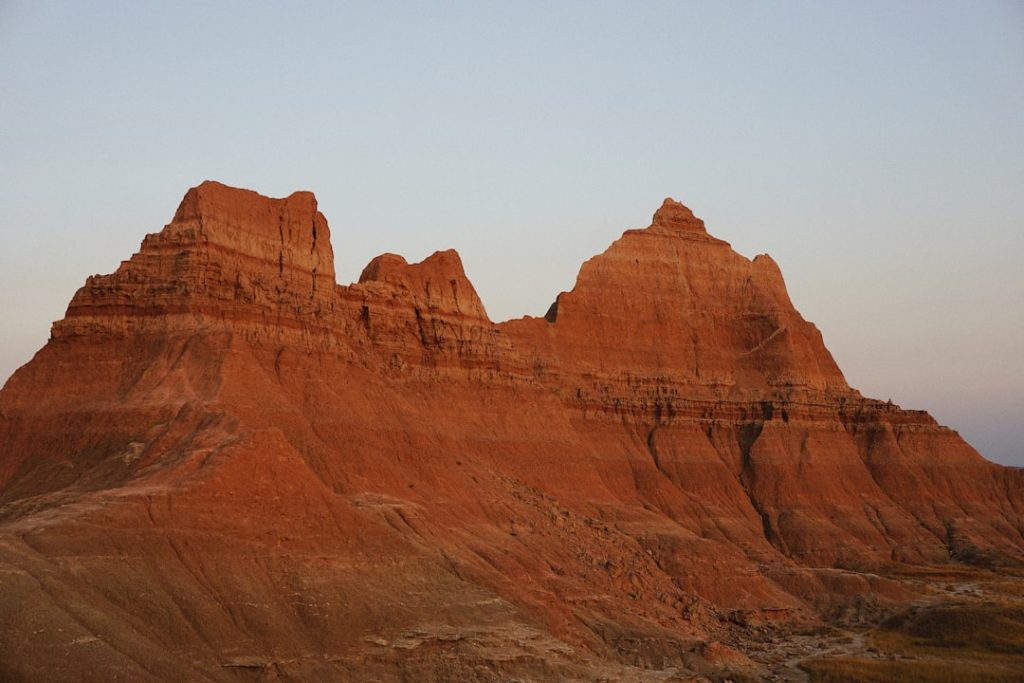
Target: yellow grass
(952,643)
(856,670)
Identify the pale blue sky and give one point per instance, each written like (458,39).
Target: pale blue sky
(875,149)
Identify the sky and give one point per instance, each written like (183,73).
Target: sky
(874,149)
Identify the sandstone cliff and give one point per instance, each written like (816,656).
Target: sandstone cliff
(224,464)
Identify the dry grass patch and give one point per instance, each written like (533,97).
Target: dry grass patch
(951,643)
(982,630)
(856,670)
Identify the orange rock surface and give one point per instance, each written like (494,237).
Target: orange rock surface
(224,465)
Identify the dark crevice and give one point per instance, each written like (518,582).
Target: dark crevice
(552,312)
(745,437)
(280,253)
(653,450)
(421,324)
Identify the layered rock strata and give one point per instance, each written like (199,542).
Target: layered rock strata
(225,464)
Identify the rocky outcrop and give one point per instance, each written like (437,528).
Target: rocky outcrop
(745,413)
(225,464)
(230,259)
(674,305)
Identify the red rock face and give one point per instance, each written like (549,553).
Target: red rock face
(224,464)
(228,254)
(679,307)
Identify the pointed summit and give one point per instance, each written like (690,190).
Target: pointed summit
(679,304)
(675,216)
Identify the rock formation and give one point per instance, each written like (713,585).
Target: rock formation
(223,464)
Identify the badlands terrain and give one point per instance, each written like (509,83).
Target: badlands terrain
(224,466)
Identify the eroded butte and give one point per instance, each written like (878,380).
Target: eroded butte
(224,466)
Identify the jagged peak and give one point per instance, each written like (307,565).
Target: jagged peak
(287,232)
(446,259)
(438,277)
(217,199)
(674,215)
(445,264)
(771,275)
(381,266)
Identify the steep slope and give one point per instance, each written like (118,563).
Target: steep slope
(675,304)
(223,465)
(701,351)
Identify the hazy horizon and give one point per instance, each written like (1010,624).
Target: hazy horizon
(874,151)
